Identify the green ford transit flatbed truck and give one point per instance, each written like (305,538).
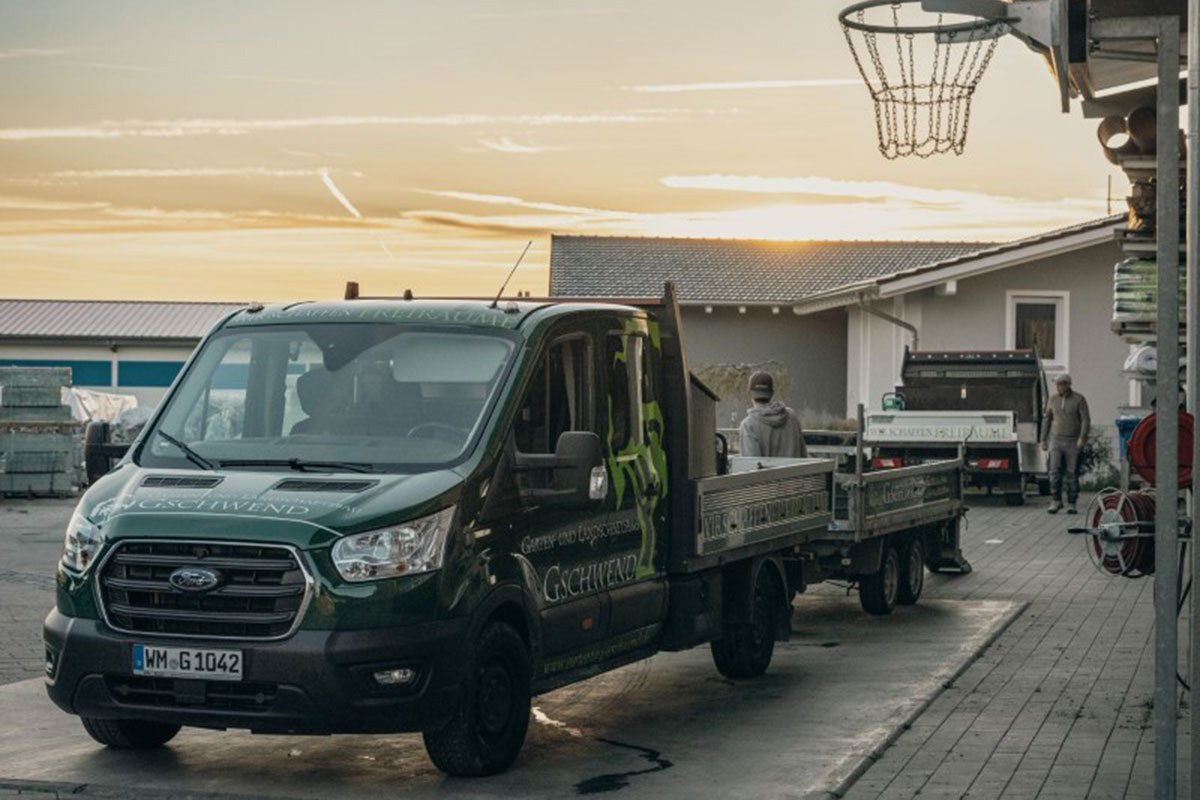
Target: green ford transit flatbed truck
(386,515)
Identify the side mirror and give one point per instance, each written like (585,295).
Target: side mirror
(574,475)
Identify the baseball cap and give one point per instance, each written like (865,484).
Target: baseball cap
(762,386)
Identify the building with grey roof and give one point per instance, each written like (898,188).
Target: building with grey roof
(725,271)
(128,347)
(831,319)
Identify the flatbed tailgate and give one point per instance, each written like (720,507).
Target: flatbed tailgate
(741,514)
(891,499)
(949,427)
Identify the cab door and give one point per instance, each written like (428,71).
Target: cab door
(556,540)
(637,466)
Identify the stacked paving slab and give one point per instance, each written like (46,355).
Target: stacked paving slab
(39,441)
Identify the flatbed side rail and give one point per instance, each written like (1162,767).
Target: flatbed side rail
(744,513)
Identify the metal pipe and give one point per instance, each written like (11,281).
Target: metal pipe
(1166,521)
(1193,341)
(875,312)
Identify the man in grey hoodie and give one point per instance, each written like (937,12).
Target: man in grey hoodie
(770,429)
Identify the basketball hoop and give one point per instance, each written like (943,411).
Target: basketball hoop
(917,115)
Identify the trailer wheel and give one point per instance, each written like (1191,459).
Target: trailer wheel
(129,734)
(912,573)
(487,730)
(745,648)
(877,591)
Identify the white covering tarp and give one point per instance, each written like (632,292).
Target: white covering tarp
(91,406)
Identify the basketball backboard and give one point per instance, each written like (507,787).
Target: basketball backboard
(1108,76)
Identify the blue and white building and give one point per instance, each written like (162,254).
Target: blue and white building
(128,347)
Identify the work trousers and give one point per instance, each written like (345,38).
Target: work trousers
(1064,458)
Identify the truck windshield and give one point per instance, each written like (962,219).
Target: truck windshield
(372,397)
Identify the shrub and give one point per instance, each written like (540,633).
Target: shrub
(1096,469)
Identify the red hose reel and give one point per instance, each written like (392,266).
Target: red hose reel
(1121,533)
(1144,441)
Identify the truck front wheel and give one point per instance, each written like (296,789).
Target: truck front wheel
(745,648)
(129,734)
(877,592)
(486,732)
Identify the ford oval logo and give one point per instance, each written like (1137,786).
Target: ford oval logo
(194,579)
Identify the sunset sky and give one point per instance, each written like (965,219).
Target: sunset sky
(275,150)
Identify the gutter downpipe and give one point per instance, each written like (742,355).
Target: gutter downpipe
(875,312)
(1193,335)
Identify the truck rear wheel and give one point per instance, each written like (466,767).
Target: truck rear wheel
(877,592)
(745,648)
(129,734)
(487,731)
(912,573)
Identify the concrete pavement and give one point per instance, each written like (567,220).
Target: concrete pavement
(31,534)
(1059,706)
(669,726)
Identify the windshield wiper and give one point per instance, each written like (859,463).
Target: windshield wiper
(188,452)
(298,464)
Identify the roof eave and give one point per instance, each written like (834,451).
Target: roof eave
(101,340)
(979,264)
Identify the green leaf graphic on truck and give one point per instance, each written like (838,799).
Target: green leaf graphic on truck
(637,459)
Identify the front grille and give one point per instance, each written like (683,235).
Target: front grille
(138,690)
(260,595)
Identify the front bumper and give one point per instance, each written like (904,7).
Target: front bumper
(316,682)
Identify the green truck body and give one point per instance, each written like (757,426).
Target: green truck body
(400,515)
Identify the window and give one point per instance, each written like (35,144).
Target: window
(1039,319)
(1034,328)
(625,359)
(559,397)
(392,396)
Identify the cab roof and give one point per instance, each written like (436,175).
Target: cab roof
(507,315)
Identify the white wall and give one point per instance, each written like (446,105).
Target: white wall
(875,350)
(811,348)
(70,352)
(975,318)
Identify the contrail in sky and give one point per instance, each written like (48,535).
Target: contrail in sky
(337,193)
(346,204)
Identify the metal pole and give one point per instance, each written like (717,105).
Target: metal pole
(1166,518)
(1193,343)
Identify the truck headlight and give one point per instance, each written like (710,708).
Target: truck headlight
(83,541)
(405,549)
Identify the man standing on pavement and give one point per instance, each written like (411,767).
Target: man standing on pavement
(1064,433)
(770,429)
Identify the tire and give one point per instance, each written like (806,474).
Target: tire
(129,734)
(1014,498)
(745,648)
(912,573)
(96,464)
(877,591)
(487,730)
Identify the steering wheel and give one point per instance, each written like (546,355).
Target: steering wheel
(438,430)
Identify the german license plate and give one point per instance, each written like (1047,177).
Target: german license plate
(187,662)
